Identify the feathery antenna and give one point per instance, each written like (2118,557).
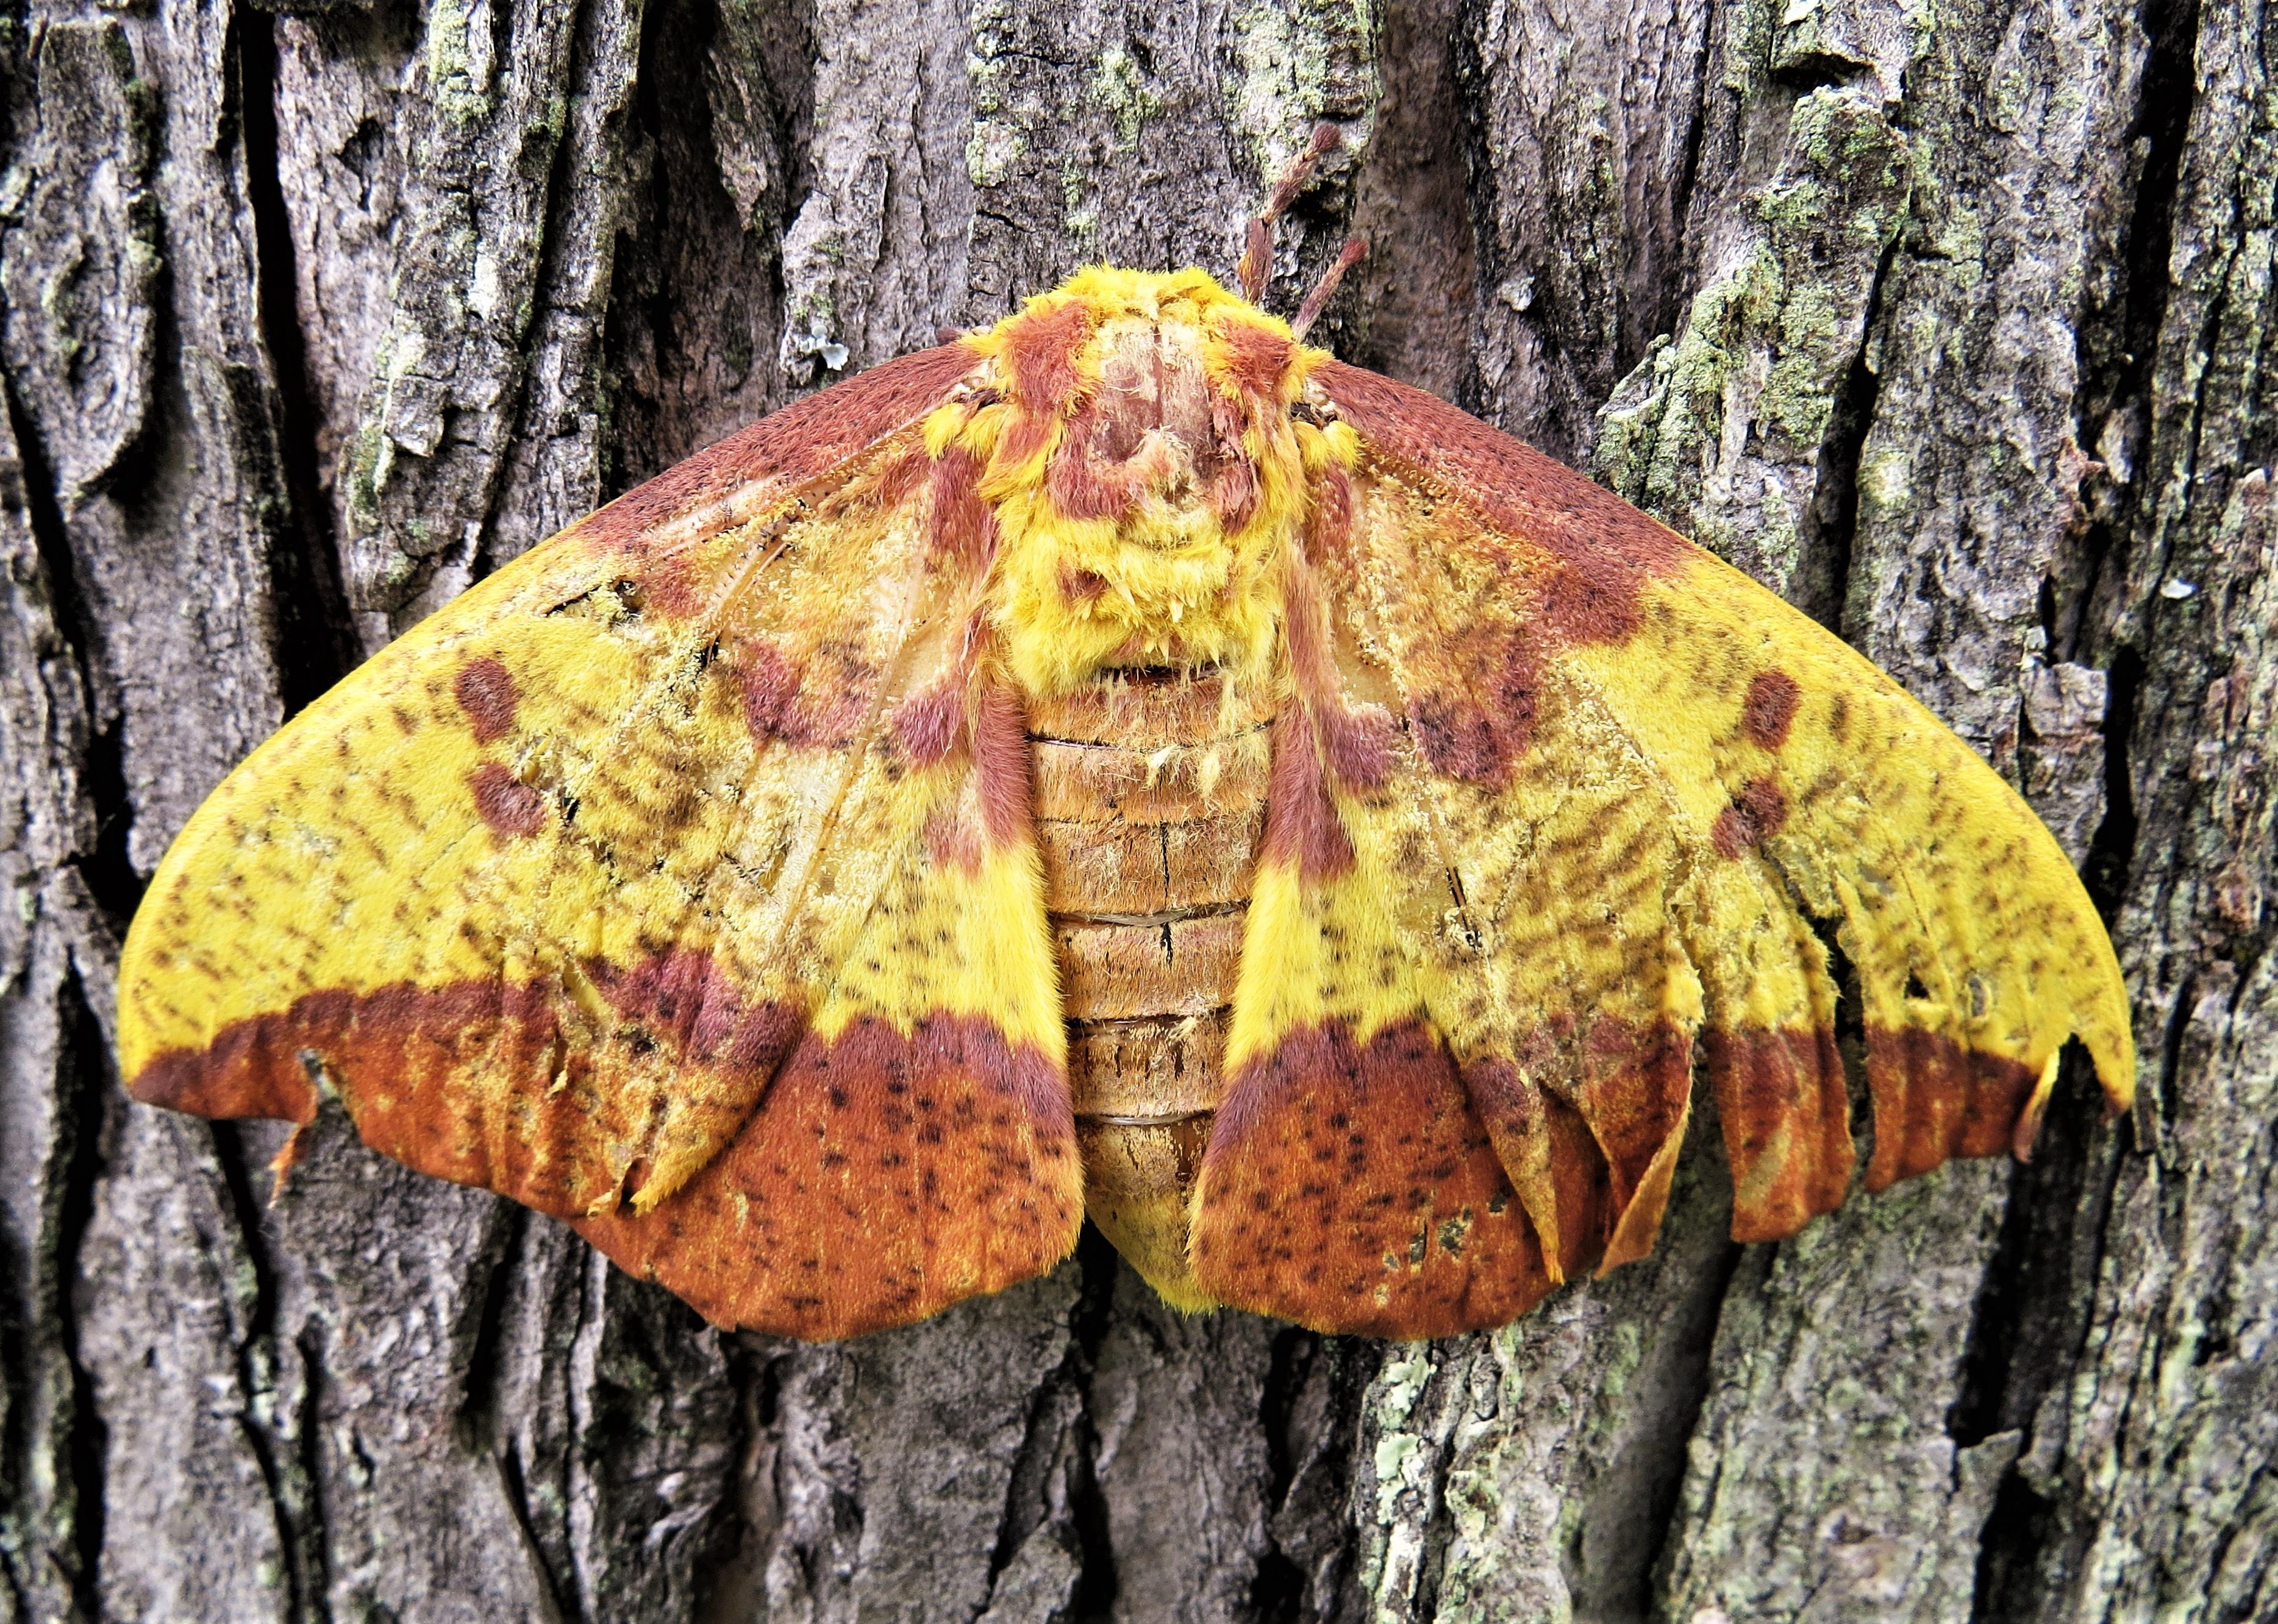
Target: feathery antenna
(1257,244)
(1354,250)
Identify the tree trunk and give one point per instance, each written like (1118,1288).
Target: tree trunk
(1947,321)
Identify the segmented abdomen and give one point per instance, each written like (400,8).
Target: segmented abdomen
(1151,798)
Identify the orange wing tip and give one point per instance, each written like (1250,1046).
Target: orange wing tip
(1936,1099)
(881,1178)
(252,1068)
(467,1080)
(1786,1107)
(1639,1224)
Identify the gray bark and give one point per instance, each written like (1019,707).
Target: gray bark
(1948,322)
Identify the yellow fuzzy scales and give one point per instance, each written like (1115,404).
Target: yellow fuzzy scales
(1181,585)
(1124,755)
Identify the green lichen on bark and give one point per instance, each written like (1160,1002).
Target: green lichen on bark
(456,82)
(995,143)
(1718,431)
(1120,87)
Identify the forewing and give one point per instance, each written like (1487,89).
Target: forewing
(1621,783)
(593,889)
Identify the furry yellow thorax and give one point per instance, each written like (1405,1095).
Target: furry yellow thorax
(1145,474)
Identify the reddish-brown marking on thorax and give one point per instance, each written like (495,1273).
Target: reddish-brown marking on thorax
(1153,426)
(1257,362)
(964,535)
(1041,350)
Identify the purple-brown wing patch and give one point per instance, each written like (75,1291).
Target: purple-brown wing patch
(804,439)
(1604,545)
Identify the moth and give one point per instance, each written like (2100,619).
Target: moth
(1123,762)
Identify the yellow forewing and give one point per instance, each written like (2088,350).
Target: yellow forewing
(562,884)
(1967,927)
(1626,789)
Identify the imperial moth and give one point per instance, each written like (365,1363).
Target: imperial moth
(1125,760)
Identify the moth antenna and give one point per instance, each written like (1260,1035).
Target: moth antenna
(1256,257)
(1326,138)
(1354,250)
(1258,241)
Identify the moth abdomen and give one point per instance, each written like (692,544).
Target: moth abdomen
(1150,805)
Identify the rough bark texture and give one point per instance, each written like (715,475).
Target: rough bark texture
(1948,320)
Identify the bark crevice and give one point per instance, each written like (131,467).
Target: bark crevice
(312,651)
(1832,527)
(103,863)
(1054,1477)
(256,1361)
(83,1507)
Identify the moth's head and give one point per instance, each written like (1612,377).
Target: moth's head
(1149,397)
(1145,439)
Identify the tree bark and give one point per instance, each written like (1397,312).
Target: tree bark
(1950,322)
